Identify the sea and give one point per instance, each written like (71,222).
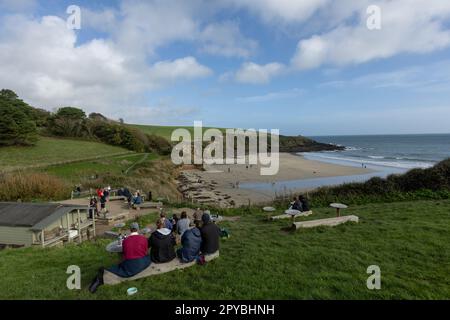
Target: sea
(382,154)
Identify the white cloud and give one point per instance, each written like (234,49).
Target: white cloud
(428,77)
(18,5)
(225,39)
(253,73)
(142,27)
(408,26)
(278,95)
(180,69)
(40,60)
(282,10)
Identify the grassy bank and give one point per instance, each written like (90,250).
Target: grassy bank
(49,151)
(410,241)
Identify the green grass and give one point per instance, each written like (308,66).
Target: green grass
(116,165)
(410,241)
(50,151)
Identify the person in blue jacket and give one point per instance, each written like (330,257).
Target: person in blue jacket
(191,242)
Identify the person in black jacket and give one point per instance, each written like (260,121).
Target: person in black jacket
(210,235)
(304,203)
(162,244)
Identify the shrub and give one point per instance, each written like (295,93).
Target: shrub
(32,186)
(17,126)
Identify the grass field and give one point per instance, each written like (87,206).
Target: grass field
(409,241)
(51,151)
(112,165)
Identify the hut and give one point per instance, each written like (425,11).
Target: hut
(43,224)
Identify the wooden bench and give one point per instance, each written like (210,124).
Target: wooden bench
(149,205)
(331,222)
(115,198)
(155,269)
(290,216)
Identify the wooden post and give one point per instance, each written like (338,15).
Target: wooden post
(93,221)
(43,238)
(79,226)
(68,228)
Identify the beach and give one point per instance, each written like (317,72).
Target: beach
(227,180)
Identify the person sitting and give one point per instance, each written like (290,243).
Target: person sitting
(304,203)
(197,216)
(137,200)
(174,222)
(135,258)
(162,243)
(297,205)
(191,241)
(183,224)
(210,235)
(167,223)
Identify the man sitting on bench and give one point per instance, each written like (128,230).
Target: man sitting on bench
(135,258)
(162,243)
(210,235)
(304,203)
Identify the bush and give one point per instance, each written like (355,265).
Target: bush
(32,186)
(17,126)
(416,184)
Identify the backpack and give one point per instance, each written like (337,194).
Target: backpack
(224,233)
(201,260)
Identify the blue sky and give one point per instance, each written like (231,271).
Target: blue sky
(307,67)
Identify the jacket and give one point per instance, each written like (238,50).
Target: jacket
(161,244)
(191,242)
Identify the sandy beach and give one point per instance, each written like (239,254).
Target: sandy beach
(292,167)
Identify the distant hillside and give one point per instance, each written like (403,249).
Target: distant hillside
(287,143)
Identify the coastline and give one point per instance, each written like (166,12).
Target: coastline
(216,184)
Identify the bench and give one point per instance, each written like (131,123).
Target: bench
(149,205)
(291,216)
(115,198)
(155,269)
(331,222)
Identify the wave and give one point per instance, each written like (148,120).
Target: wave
(373,161)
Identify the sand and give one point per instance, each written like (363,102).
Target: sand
(292,167)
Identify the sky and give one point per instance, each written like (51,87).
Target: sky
(310,67)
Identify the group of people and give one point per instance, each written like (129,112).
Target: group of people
(300,203)
(102,197)
(197,241)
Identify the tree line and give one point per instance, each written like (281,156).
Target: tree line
(22,124)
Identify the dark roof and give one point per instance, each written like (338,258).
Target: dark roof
(34,215)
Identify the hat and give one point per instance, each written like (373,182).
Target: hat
(134,225)
(206,218)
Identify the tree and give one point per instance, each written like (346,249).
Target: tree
(68,122)
(17,126)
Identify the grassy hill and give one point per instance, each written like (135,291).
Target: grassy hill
(287,143)
(50,151)
(409,241)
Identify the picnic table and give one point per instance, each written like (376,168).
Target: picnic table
(114,247)
(338,207)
